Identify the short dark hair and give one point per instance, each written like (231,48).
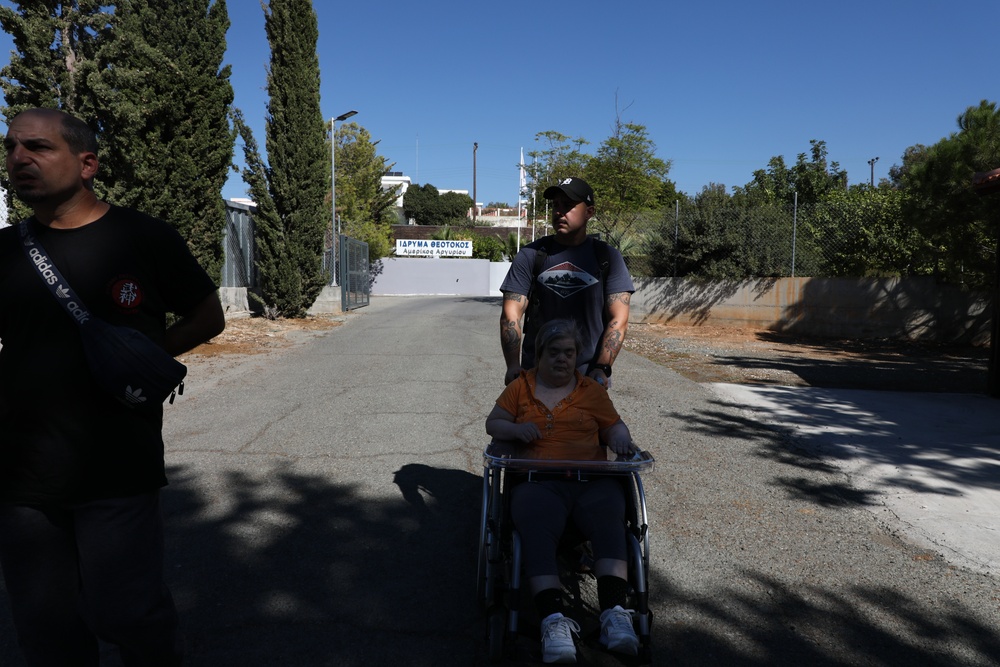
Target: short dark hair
(557,329)
(78,135)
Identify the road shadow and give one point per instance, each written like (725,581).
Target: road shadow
(892,365)
(283,568)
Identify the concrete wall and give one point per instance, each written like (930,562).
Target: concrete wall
(897,308)
(910,308)
(406,276)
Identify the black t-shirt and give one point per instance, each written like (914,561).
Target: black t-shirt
(63,439)
(568,286)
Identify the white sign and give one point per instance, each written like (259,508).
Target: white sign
(432,248)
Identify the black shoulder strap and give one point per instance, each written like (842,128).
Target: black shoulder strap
(50,275)
(534,301)
(603,252)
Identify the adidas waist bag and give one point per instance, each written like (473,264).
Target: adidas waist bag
(130,366)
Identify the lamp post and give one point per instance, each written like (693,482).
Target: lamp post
(334,225)
(475,209)
(871,163)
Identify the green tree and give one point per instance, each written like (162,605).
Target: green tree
(166,98)
(428,206)
(366,210)
(626,175)
(961,226)
(298,171)
(810,178)
(454,208)
(280,288)
(360,196)
(55,53)
(558,157)
(420,203)
(150,81)
(862,232)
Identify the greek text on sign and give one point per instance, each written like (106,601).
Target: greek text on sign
(432,248)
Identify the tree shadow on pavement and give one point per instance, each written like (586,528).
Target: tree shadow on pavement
(277,567)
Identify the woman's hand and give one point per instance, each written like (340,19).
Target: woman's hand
(527,432)
(501,425)
(618,438)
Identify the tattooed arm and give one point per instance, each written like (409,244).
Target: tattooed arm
(514,305)
(617,307)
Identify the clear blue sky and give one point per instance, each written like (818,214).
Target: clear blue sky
(721,86)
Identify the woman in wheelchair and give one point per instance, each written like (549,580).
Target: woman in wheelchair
(561,414)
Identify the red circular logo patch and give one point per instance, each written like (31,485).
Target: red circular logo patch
(126,293)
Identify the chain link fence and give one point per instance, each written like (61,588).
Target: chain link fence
(740,242)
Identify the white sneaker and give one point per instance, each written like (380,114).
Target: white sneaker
(617,633)
(557,639)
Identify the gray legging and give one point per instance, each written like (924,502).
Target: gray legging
(541,509)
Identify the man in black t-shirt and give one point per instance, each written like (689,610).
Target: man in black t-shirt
(81,537)
(578,277)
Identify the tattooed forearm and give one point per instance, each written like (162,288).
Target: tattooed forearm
(510,336)
(612,344)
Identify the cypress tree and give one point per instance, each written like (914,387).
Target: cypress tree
(280,287)
(150,81)
(298,159)
(55,49)
(166,99)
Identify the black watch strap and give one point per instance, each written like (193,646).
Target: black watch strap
(605,368)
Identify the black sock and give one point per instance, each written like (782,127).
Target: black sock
(611,591)
(549,602)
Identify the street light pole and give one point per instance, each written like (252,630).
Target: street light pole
(871,163)
(334,223)
(475,209)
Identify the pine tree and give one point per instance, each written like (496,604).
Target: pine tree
(296,135)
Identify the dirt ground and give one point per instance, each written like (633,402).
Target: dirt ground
(757,356)
(715,354)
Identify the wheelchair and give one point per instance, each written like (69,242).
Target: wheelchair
(499,571)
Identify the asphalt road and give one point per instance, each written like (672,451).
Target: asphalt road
(324,508)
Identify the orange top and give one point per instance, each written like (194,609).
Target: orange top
(570,429)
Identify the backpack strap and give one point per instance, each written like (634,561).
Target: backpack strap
(534,301)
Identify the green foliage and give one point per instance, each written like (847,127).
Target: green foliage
(454,208)
(861,232)
(810,179)
(426,205)
(959,225)
(360,169)
(298,171)
(56,47)
(280,289)
(378,237)
(488,247)
(559,157)
(419,202)
(626,174)
(150,81)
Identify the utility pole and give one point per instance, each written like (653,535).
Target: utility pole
(475,207)
(871,163)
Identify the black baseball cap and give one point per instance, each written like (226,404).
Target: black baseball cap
(575,188)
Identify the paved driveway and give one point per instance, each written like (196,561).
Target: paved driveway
(324,504)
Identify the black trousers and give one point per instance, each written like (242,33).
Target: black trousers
(540,511)
(93,570)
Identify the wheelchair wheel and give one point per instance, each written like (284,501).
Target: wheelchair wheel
(496,629)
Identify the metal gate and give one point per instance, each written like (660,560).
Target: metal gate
(355,278)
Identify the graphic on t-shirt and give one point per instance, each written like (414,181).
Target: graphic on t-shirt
(126,293)
(566,279)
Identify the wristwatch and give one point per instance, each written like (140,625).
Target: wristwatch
(605,368)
